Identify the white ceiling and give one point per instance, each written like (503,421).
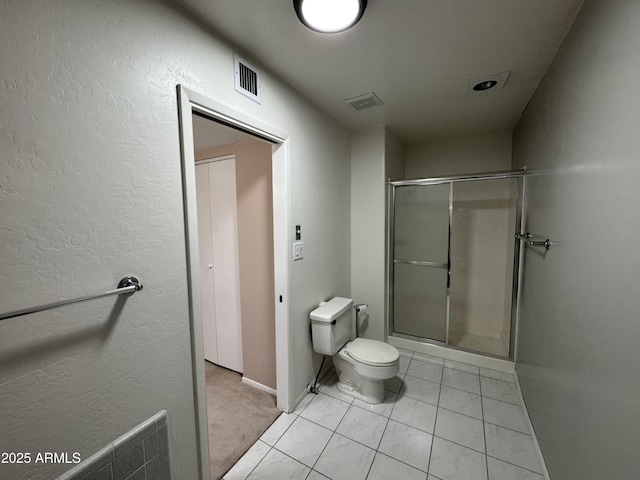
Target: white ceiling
(416,55)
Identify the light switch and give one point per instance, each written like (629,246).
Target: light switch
(297,250)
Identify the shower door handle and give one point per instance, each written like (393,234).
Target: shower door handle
(422,264)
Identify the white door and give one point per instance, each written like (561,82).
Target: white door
(219,271)
(207,296)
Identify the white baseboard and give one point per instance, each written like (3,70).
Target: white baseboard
(259,386)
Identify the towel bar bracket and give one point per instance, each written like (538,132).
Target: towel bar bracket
(130,282)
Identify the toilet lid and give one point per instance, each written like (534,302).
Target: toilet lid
(372,352)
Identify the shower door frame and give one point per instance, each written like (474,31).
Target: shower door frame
(520,191)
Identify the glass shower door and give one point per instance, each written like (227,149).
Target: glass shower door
(483,251)
(420,260)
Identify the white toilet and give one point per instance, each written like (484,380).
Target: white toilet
(362,365)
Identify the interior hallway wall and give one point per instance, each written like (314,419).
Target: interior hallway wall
(90,191)
(255,256)
(579,326)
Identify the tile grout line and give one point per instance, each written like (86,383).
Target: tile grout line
(387,425)
(272,447)
(295,459)
(484,431)
(448,409)
(433,435)
(292,458)
(482,412)
(508,428)
(259,462)
(401,423)
(333,433)
(388,418)
(460,389)
(541,461)
(452,411)
(323,449)
(402,462)
(428,403)
(435,421)
(516,465)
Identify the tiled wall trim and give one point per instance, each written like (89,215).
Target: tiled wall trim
(140,454)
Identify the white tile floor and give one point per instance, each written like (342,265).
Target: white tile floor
(440,420)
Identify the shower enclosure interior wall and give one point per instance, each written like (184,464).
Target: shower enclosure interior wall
(454,260)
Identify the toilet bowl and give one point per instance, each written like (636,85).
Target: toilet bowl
(362,367)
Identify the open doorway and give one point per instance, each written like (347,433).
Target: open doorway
(235,231)
(261,185)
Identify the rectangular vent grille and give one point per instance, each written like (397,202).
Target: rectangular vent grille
(367,100)
(247,79)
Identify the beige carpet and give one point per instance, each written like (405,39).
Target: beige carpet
(238,415)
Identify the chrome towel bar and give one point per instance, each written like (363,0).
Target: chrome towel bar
(526,236)
(546,244)
(126,285)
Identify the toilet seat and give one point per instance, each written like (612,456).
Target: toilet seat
(372,352)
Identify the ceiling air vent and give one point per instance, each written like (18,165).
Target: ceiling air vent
(247,79)
(364,101)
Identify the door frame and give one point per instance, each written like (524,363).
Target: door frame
(188,102)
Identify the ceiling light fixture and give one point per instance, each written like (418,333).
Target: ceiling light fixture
(479,87)
(486,85)
(329,16)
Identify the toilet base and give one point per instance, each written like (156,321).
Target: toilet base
(371,392)
(362,381)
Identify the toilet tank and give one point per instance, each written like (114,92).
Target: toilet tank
(331,325)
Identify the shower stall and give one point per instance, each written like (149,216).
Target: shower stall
(453,260)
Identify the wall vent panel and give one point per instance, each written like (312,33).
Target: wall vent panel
(247,79)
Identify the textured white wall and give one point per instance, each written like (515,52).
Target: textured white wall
(376,154)
(393,157)
(459,156)
(579,327)
(90,191)
(368,227)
